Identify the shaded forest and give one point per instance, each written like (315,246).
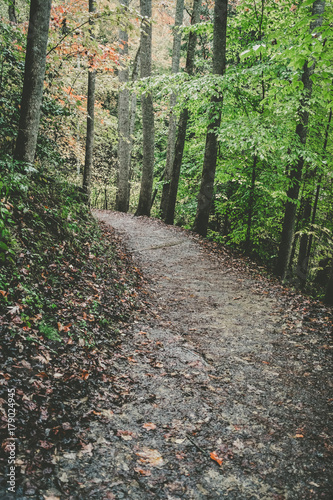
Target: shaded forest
(214,117)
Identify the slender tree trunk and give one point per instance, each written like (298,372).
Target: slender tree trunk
(209,166)
(144,205)
(34,72)
(329,289)
(88,163)
(135,74)
(248,243)
(12,12)
(302,259)
(182,124)
(315,204)
(122,201)
(170,155)
(295,174)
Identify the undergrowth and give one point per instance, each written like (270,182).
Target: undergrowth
(59,276)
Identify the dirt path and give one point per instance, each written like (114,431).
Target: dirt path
(207,371)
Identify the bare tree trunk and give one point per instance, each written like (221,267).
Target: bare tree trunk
(248,243)
(88,163)
(172,120)
(123,123)
(33,85)
(144,205)
(295,174)
(12,12)
(182,124)
(209,166)
(329,289)
(135,74)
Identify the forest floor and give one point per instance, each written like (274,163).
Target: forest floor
(220,388)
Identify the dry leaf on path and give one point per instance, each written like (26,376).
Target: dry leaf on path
(149,426)
(151,457)
(143,472)
(214,456)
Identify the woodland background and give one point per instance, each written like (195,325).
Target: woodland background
(270,114)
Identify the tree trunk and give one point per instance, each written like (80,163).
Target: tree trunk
(12,12)
(329,289)
(88,163)
(302,259)
(248,243)
(172,120)
(122,201)
(182,125)
(295,174)
(147,112)
(33,85)
(209,166)
(135,74)
(315,204)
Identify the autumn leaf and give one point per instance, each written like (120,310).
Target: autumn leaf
(143,472)
(151,457)
(149,426)
(84,374)
(214,456)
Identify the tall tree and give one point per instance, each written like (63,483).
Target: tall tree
(182,124)
(124,152)
(295,171)
(12,12)
(144,205)
(34,72)
(209,165)
(177,38)
(88,162)
(329,288)
(309,220)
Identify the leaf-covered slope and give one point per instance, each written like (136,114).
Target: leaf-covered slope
(67,286)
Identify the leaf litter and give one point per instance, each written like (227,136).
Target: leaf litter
(220,384)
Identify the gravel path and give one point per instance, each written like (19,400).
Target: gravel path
(221,401)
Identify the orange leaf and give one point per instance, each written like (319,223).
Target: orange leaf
(84,374)
(149,426)
(3,293)
(143,472)
(214,456)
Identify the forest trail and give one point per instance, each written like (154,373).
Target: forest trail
(221,401)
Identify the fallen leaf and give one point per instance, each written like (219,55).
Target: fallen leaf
(126,435)
(84,374)
(238,444)
(87,448)
(214,456)
(149,426)
(143,472)
(151,457)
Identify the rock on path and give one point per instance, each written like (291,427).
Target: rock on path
(221,404)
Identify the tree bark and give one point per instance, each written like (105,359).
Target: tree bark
(122,201)
(329,289)
(34,72)
(135,74)
(315,204)
(12,12)
(88,163)
(144,204)
(170,155)
(182,124)
(295,174)
(209,166)
(248,242)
